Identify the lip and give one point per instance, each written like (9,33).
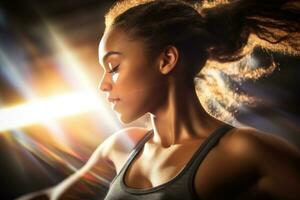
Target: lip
(113,100)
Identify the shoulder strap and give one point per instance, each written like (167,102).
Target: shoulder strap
(137,149)
(133,153)
(204,149)
(208,144)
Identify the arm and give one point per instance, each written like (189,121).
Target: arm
(90,182)
(40,195)
(276,161)
(279,162)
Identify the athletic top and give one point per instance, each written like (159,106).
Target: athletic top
(180,187)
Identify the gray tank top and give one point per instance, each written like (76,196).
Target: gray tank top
(179,187)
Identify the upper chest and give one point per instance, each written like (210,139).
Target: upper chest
(154,167)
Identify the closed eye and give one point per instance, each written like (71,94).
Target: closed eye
(114,70)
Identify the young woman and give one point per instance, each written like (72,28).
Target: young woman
(151,52)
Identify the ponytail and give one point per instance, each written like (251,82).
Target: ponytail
(215,39)
(237,26)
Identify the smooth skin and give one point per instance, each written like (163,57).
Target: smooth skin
(246,164)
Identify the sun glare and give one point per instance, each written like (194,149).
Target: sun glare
(40,111)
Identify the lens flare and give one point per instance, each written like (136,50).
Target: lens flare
(40,111)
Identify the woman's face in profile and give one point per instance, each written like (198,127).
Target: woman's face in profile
(129,76)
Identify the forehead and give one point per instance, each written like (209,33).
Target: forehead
(113,40)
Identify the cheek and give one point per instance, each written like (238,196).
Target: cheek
(137,89)
(115,77)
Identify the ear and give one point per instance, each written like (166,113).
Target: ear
(168,61)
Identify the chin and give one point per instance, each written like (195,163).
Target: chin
(127,119)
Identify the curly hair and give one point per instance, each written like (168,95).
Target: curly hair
(215,40)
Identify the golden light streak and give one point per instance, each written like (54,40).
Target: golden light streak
(74,68)
(41,111)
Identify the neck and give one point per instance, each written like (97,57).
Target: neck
(181,118)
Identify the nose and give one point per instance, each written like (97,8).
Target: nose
(105,84)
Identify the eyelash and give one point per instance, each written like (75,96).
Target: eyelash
(114,70)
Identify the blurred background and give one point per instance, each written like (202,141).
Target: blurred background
(52,115)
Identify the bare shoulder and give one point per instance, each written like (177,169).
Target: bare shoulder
(275,160)
(118,146)
(252,142)
(110,155)
(100,169)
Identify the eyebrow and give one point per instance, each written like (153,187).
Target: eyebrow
(109,54)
